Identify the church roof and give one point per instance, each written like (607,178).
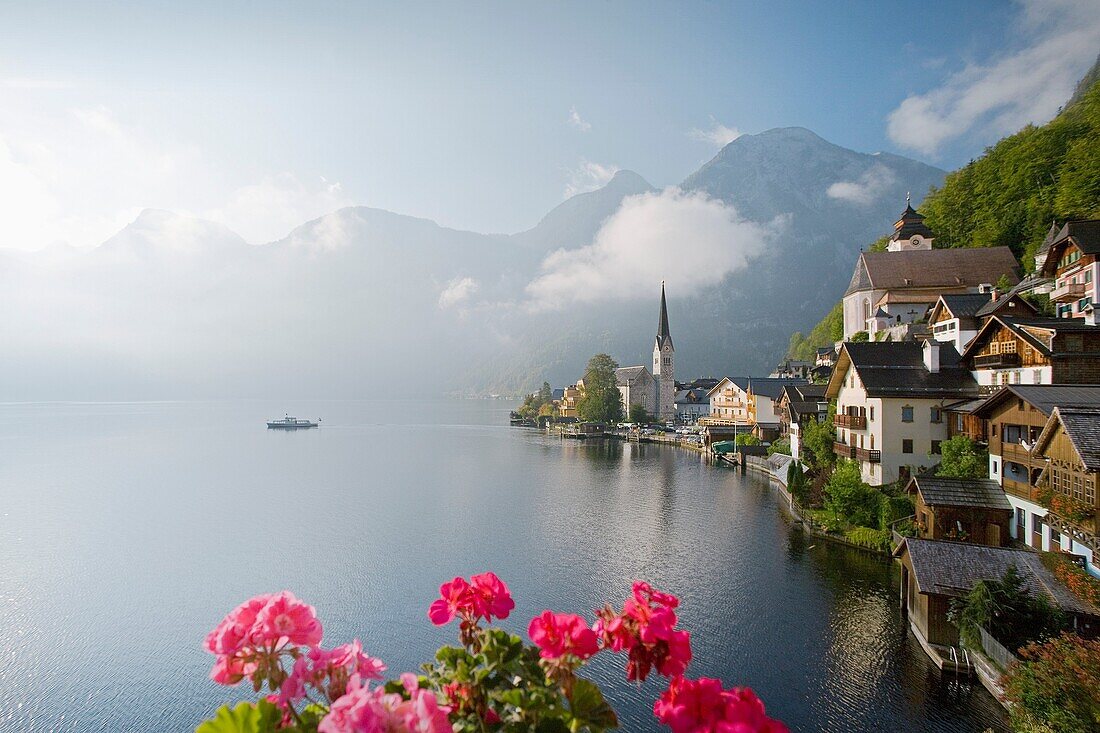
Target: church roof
(663,334)
(934,268)
(627,376)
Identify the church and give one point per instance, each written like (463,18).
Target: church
(654,391)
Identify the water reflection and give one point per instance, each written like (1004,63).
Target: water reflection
(123,544)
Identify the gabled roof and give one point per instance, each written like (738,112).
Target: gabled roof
(1043,397)
(936,268)
(1025,329)
(1082,427)
(1011,301)
(960,492)
(896,369)
(691,396)
(625,376)
(1052,235)
(771,386)
(954,568)
(1083,234)
(961,305)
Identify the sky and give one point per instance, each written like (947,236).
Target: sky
(481,116)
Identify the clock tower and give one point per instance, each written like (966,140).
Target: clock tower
(910,232)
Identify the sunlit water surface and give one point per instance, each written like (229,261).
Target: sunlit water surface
(128,530)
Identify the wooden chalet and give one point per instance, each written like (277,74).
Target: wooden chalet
(1012,350)
(1072,261)
(1069,445)
(933,573)
(961,509)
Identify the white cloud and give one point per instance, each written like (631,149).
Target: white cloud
(866,189)
(77,174)
(1057,41)
(681,237)
(457,291)
(577,122)
(268,210)
(589,176)
(717,135)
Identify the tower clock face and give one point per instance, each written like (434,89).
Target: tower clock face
(915,241)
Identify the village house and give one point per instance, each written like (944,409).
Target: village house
(1069,448)
(897,287)
(1012,420)
(692,404)
(763,412)
(960,509)
(956,318)
(792,369)
(933,573)
(1071,261)
(571,395)
(798,405)
(1012,350)
(729,402)
(891,400)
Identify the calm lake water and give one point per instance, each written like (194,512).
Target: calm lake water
(128,530)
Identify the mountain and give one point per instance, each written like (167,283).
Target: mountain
(575,221)
(368,303)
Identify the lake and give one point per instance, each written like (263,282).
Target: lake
(127,530)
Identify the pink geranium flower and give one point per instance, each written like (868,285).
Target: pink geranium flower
(454,599)
(703,706)
(363,710)
(491,598)
(646,630)
(562,634)
(285,619)
(232,633)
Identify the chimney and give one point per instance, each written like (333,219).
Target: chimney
(932,356)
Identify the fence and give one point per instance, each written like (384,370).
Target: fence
(993,649)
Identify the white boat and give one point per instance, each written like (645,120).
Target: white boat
(291,423)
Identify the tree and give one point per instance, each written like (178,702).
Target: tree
(849,499)
(817,441)
(1007,610)
(601,401)
(783,445)
(796,482)
(746,439)
(1056,685)
(638,414)
(961,457)
(546,394)
(546,410)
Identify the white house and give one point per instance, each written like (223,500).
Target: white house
(891,398)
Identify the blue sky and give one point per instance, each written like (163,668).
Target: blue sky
(482,117)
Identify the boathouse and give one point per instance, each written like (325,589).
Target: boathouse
(961,509)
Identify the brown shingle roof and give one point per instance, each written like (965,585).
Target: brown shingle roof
(965,492)
(954,568)
(937,268)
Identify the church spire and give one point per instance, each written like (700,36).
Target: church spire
(663,333)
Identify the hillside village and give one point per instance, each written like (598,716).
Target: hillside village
(956,426)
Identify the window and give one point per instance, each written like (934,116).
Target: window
(907,446)
(937,415)
(995,472)
(871,413)
(959,423)
(907,414)
(935,447)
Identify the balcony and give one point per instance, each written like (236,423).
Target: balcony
(844,450)
(1019,489)
(852,422)
(996,361)
(1068,292)
(868,456)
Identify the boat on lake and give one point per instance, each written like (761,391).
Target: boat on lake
(292,423)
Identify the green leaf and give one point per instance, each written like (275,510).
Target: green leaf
(589,707)
(247,717)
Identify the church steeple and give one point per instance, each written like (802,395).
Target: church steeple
(663,334)
(910,231)
(664,365)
